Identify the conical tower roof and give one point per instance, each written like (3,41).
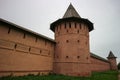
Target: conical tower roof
(111,55)
(71,15)
(71,12)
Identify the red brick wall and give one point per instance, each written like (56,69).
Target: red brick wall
(23,53)
(99,65)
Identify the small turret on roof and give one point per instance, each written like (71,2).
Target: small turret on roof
(111,55)
(71,12)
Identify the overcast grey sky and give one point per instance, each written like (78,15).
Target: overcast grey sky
(37,15)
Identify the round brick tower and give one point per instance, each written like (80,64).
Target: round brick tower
(112,60)
(72,53)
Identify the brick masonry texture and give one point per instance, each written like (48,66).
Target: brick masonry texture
(25,52)
(21,53)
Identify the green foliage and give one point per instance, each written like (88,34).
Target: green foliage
(109,75)
(118,66)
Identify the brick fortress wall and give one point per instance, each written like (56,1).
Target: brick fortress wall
(24,53)
(99,65)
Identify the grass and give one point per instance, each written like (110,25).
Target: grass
(109,75)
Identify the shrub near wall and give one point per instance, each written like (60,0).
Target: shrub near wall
(118,66)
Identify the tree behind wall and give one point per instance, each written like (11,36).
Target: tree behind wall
(119,66)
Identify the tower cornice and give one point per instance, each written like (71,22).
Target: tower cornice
(70,19)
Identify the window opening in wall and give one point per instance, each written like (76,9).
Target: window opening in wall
(67,41)
(15,46)
(77,31)
(78,41)
(36,39)
(60,26)
(69,24)
(24,35)
(40,51)
(9,30)
(78,57)
(67,57)
(87,58)
(29,49)
(80,26)
(67,31)
(75,25)
(45,43)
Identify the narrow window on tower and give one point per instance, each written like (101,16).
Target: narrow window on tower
(77,31)
(60,26)
(45,42)
(86,57)
(69,24)
(67,31)
(75,25)
(29,49)
(78,57)
(15,46)
(80,26)
(67,57)
(24,35)
(40,51)
(36,39)
(9,30)
(65,25)
(67,41)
